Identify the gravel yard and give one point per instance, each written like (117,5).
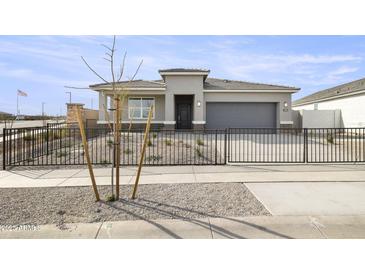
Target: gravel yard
(60,205)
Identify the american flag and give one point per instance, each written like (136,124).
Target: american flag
(22,93)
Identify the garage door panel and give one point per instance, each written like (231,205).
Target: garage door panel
(240,114)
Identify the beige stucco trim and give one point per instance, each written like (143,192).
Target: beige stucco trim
(169,122)
(286,122)
(198,122)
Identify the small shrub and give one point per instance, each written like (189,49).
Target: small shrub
(28,137)
(149,143)
(110,143)
(200,142)
(329,138)
(127,151)
(198,152)
(153,158)
(168,142)
(110,198)
(104,162)
(154,135)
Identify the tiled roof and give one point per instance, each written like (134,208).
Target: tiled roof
(209,84)
(344,89)
(224,84)
(135,84)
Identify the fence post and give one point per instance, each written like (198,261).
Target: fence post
(4,148)
(305,151)
(47,133)
(215,146)
(225,146)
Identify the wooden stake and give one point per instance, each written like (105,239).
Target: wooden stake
(143,152)
(117,129)
(86,151)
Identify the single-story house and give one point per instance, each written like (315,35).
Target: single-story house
(347,99)
(188,98)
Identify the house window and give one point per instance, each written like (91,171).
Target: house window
(315,106)
(138,108)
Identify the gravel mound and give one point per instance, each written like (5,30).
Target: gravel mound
(59,205)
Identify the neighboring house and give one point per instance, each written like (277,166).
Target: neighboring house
(348,98)
(187,98)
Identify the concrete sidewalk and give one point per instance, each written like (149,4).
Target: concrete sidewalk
(262,227)
(186,174)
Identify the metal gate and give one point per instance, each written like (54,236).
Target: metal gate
(278,145)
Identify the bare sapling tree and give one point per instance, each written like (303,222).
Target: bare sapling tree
(118,92)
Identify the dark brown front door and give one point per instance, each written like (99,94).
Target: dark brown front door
(183,116)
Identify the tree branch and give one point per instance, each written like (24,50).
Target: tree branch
(122,67)
(94,71)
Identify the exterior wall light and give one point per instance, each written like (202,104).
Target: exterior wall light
(198,104)
(285,104)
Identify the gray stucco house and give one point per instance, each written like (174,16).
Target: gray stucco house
(189,99)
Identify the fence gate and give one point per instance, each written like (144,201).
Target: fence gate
(266,145)
(277,145)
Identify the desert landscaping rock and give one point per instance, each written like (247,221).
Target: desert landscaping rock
(61,205)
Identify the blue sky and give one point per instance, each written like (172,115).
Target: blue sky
(43,65)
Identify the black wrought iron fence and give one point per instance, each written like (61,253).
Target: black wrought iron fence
(277,145)
(60,145)
(63,146)
(266,145)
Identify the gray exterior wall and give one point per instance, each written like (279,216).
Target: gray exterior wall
(273,97)
(184,85)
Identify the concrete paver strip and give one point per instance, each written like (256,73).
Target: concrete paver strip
(305,198)
(60,173)
(15,180)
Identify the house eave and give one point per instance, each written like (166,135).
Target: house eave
(250,90)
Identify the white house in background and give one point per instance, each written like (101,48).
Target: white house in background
(349,98)
(188,98)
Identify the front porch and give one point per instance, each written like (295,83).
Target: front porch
(170,111)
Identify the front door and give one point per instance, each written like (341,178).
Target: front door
(183,116)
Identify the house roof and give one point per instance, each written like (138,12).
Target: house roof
(224,84)
(135,84)
(344,89)
(209,83)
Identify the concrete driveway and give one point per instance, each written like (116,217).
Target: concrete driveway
(308,198)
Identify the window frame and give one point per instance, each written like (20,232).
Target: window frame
(141,107)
